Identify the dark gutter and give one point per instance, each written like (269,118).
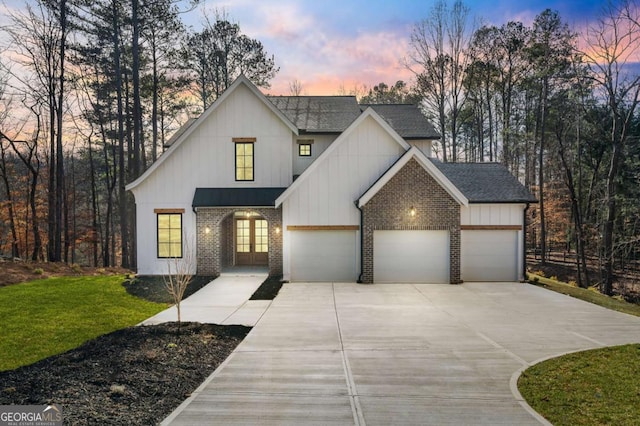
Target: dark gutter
(524,243)
(361,240)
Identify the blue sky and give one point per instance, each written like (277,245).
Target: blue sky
(328,44)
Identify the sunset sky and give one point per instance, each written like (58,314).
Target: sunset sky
(326,44)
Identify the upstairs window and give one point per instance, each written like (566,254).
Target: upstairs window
(304,147)
(169,224)
(244,158)
(304,150)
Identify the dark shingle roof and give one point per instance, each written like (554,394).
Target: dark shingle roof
(406,119)
(318,114)
(236,197)
(485,182)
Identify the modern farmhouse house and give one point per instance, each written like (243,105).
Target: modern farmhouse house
(320,188)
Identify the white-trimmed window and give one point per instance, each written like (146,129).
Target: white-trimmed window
(169,228)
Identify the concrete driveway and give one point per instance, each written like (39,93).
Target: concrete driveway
(398,354)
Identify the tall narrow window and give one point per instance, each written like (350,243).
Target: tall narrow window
(169,235)
(244,159)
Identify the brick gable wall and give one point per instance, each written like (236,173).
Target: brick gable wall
(390,208)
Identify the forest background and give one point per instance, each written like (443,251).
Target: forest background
(92,91)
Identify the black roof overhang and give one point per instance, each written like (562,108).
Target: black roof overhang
(236,197)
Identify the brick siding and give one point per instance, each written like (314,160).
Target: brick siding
(389,209)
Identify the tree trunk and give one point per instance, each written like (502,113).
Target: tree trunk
(15,252)
(543,131)
(609,224)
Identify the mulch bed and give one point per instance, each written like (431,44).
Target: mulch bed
(134,376)
(268,290)
(152,287)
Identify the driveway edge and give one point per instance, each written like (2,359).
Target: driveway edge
(513,383)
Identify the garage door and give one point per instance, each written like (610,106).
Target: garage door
(489,255)
(411,256)
(323,256)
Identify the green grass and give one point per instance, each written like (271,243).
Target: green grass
(596,387)
(50,316)
(586,295)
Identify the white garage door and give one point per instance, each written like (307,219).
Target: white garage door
(411,256)
(489,255)
(323,256)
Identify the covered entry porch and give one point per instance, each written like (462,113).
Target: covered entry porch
(238,228)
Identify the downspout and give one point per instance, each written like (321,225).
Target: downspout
(524,243)
(361,240)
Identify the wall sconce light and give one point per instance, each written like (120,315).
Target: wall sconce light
(277,229)
(207,230)
(247,214)
(412,212)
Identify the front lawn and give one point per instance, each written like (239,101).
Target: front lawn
(49,316)
(596,387)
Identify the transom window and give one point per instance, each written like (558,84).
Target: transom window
(244,159)
(169,235)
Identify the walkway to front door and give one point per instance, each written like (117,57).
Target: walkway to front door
(252,241)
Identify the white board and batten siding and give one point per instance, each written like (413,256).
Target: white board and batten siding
(492,244)
(326,196)
(206,158)
(411,256)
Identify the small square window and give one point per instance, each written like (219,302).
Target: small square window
(304,150)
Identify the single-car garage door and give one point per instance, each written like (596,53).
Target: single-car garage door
(323,256)
(411,256)
(489,255)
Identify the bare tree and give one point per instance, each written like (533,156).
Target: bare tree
(439,44)
(179,274)
(611,45)
(295,87)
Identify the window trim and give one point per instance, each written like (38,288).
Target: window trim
(301,145)
(169,212)
(244,141)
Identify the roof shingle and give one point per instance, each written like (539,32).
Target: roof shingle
(318,114)
(485,182)
(406,119)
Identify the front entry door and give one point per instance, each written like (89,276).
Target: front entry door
(252,242)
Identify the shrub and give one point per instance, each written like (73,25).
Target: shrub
(76,268)
(38,271)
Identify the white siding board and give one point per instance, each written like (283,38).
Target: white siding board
(207,159)
(147,243)
(491,214)
(320,144)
